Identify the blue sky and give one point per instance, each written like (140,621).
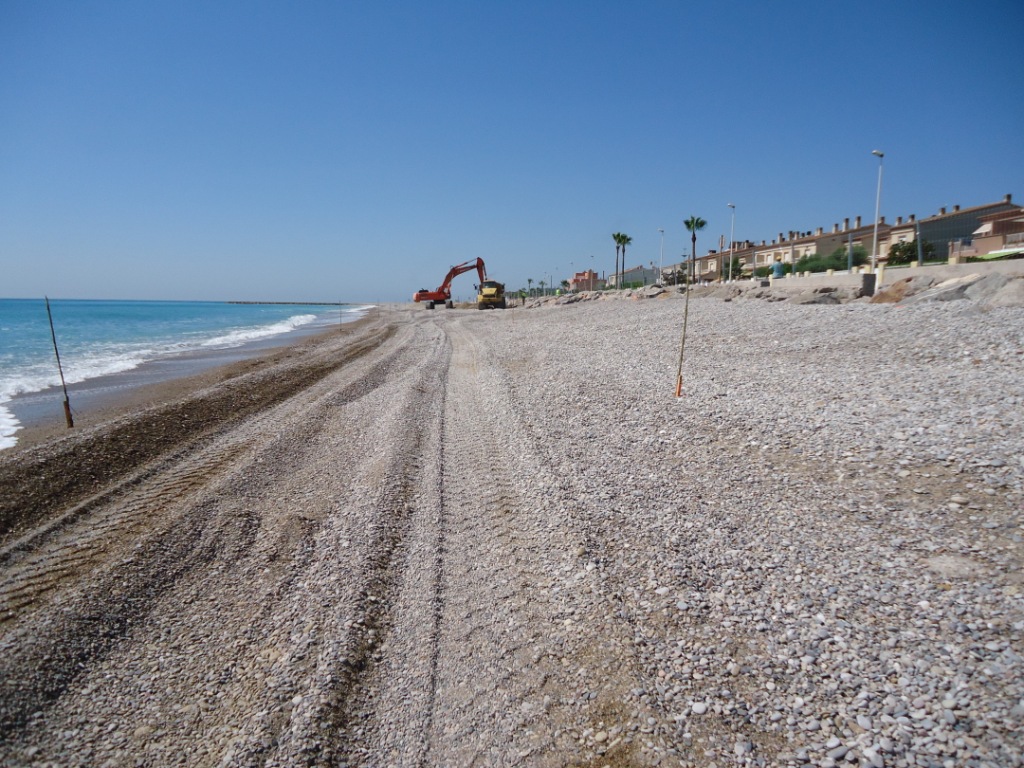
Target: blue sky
(355,150)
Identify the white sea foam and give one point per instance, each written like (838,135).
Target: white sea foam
(111,358)
(93,364)
(9,424)
(243,335)
(36,378)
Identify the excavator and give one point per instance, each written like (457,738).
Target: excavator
(490,292)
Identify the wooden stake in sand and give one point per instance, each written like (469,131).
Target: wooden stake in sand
(53,335)
(682,343)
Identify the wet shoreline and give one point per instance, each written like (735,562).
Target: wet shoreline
(41,414)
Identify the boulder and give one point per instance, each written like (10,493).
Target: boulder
(813,297)
(571,298)
(1010,295)
(986,288)
(894,293)
(726,292)
(948,290)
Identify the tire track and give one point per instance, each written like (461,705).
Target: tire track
(46,559)
(330,724)
(33,574)
(387,717)
(493,662)
(103,565)
(38,486)
(520,679)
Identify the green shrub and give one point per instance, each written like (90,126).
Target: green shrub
(904,253)
(836,260)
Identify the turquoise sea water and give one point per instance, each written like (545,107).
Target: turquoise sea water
(99,338)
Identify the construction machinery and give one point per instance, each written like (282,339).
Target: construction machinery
(491,293)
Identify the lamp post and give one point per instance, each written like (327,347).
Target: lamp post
(732,238)
(661,261)
(878,202)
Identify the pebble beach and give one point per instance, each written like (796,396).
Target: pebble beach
(499,538)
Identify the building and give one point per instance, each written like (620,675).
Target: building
(957,233)
(586,281)
(950,232)
(672,274)
(714,265)
(1001,232)
(788,250)
(636,276)
(707,267)
(743,255)
(847,237)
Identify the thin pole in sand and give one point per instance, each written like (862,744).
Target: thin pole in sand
(53,335)
(682,343)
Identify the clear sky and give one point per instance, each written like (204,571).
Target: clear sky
(355,150)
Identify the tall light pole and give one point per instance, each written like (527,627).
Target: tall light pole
(661,262)
(732,239)
(878,203)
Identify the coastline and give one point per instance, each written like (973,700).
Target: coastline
(155,382)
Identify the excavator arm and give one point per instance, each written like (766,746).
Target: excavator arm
(466,266)
(444,291)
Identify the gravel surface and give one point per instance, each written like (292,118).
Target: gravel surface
(498,538)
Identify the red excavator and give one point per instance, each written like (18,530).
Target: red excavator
(443,292)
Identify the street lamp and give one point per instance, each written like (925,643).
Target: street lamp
(878,202)
(732,239)
(661,263)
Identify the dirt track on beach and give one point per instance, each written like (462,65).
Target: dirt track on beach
(496,538)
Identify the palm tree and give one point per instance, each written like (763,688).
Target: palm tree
(694,224)
(529,285)
(542,284)
(617,237)
(626,240)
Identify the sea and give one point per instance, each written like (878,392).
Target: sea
(102,338)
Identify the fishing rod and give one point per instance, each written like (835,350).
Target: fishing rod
(53,335)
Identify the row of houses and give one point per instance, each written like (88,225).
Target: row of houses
(955,234)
